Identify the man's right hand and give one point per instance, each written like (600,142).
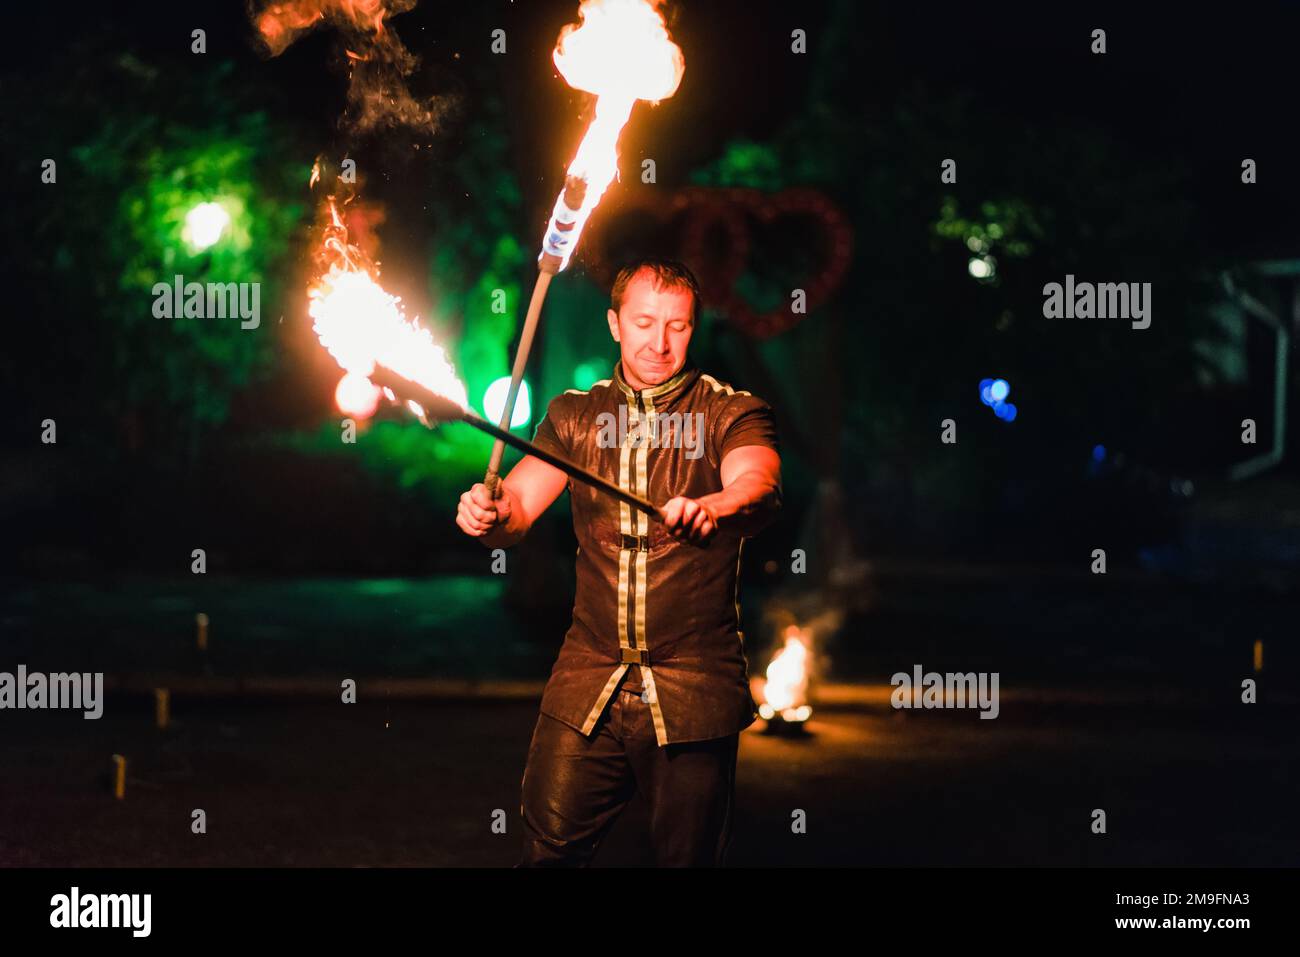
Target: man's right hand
(479,513)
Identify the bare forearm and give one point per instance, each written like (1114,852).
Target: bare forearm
(746,506)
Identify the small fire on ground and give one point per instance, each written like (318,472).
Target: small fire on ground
(785,694)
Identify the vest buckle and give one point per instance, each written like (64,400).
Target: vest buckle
(635,656)
(636,543)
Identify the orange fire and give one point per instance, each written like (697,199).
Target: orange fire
(362,325)
(280,23)
(786,692)
(620,51)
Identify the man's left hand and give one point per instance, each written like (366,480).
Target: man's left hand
(690,520)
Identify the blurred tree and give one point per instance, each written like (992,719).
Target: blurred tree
(918,328)
(138,149)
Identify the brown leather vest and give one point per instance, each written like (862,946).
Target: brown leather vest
(645,601)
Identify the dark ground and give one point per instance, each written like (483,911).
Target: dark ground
(305,783)
(1119,692)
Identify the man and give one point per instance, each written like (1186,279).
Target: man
(650,690)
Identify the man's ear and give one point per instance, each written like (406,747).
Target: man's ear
(612,318)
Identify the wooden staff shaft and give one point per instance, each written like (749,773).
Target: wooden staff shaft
(563,223)
(493,477)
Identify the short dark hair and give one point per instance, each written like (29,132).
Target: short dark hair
(668,274)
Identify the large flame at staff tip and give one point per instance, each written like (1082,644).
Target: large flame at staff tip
(620,51)
(621,48)
(362,325)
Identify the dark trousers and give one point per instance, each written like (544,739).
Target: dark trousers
(575,787)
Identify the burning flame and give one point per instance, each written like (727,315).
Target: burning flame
(281,23)
(621,48)
(787,680)
(362,325)
(621,52)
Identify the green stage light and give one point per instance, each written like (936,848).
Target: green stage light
(494,402)
(587,374)
(204,225)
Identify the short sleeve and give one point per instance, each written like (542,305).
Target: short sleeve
(747,420)
(552,435)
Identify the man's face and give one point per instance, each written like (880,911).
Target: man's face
(652,327)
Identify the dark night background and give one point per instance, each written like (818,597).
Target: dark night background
(327,560)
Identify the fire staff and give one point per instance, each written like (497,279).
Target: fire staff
(650,689)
